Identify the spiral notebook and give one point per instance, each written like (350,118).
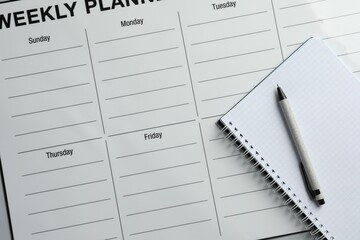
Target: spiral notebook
(325,99)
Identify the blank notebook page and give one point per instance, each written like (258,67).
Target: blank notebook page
(325,99)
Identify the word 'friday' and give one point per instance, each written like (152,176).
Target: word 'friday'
(153,135)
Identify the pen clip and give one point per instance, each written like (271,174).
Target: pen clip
(307,183)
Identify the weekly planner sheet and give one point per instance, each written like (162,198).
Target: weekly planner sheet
(108,112)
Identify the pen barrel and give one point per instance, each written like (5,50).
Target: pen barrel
(301,149)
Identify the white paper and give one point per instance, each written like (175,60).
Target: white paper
(323,94)
(103,91)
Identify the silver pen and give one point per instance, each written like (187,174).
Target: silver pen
(305,161)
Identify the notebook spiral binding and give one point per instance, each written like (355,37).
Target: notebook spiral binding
(242,144)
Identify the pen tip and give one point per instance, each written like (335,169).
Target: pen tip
(281,94)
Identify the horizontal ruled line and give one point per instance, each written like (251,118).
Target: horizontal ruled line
(327,38)
(66,187)
(159,169)
(59,145)
(150,110)
(54,128)
(236,55)
(341,35)
(166,208)
(226,19)
(49,90)
(139,54)
(302,4)
(8,1)
(231,37)
(52,109)
(236,75)
(162,189)
(40,53)
(225,96)
(320,20)
(259,210)
(235,175)
(154,127)
(148,91)
(169,227)
(216,139)
(135,36)
(70,206)
(294,44)
(229,156)
(213,116)
(243,193)
(142,73)
(348,53)
(157,150)
(61,168)
(48,71)
(71,226)
(284,235)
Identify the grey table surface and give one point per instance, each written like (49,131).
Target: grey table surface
(5,227)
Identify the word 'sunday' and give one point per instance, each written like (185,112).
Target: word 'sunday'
(61,11)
